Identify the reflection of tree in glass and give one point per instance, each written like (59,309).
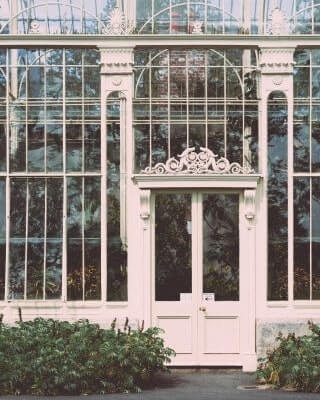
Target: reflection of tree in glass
(172,246)
(221,246)
(277,198)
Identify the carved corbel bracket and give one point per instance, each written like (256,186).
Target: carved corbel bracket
(117,61)
(277,60)
(145,207)
(250,207)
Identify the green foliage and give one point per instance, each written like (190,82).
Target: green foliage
(295,363)
(49,357)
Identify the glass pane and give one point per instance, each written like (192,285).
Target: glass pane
(92,249)
(221,246)
(35,148)
(92,147)
(2,236)
(316,238)
(277,197)
(74,147)
(301,238)
(3,148)
(54,147)
(74,238)
(173,232)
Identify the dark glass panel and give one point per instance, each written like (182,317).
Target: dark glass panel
(3,83)
(36,82)
(316,83)
(54,207)
(91,82)
(74,147)
(142,84)
(53,269)
(142,147)
(2,236)
(35,268)
(315,56)
(178,139)
(16,268)
(3,148)
(35,148)
(36,210)
(216,139)
(54,147)
(54,84)
(178,111)
(315,143)
(221,246)
(178,57)
(277,197)
(173,246)
(92,259)
(316,238)
(141,111)
(159,143)
(159,82)
(216,82)
(143,13)
(301,131)
(17,148)
(197,136)
(74,81)
(301,82)
(251,137)
(234,82)
(234,133)
(92,145)
(196,57)
(197,82)
(92,209)
(53,283)
(74,238)
(18,196)
(74,269)
(116,248)
(73,56)
(301,238)
(178,82)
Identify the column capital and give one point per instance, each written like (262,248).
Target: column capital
(277,60)
(117,60)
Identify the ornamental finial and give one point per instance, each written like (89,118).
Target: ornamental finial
(279,23)
(118,24)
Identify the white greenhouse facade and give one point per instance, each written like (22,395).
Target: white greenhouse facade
(160,160)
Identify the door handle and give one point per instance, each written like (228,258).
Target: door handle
(203,309)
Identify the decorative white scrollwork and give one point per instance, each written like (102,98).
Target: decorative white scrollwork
(118,24)
(191,162)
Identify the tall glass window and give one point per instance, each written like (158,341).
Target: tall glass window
(307,175)
(52,100)
(195,98)
(277,197)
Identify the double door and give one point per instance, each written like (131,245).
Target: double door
(198,297)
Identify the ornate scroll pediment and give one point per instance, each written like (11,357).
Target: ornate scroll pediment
(197,163)
(118,23)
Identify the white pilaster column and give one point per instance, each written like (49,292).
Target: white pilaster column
(116,76)
(145,215)
(248,232)
(276,68)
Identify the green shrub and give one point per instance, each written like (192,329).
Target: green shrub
(295,363)
(49,357)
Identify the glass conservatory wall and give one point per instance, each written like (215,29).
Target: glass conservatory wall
(307,175)
(195,98)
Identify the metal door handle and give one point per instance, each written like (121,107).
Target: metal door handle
(202,309)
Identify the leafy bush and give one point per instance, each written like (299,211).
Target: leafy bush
(49,357)
(295,363)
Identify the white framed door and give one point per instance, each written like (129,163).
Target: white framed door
(198,295)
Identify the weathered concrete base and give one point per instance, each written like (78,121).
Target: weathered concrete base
(267,330)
